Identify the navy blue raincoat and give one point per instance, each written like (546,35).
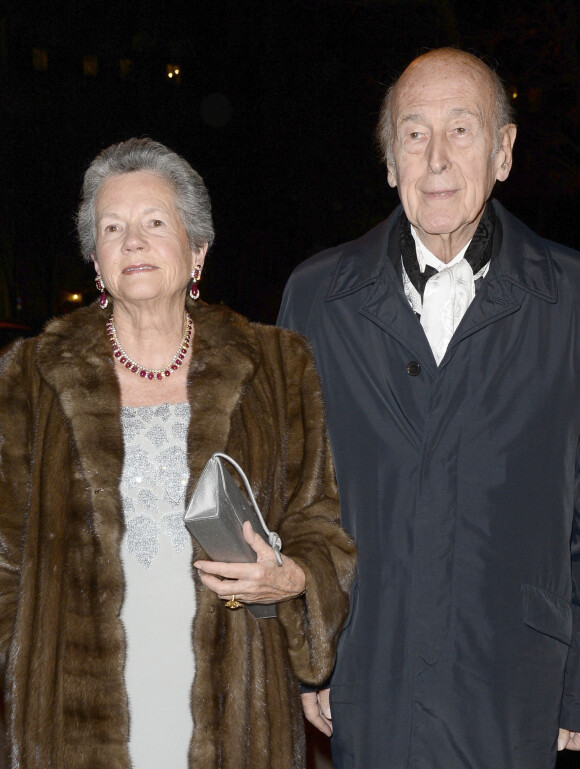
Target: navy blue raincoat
(460,484)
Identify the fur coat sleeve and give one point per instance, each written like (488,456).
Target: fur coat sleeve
(253,393)
(15,457)
(309,528)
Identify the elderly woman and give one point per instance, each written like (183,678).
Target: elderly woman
(116,644)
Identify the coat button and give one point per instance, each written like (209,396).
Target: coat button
(413,368)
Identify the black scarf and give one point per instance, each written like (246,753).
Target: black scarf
(478,253)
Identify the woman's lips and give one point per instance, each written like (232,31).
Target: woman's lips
(135,268)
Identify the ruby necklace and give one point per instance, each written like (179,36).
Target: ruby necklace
(137,368)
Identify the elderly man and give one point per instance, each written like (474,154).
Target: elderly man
(448,342)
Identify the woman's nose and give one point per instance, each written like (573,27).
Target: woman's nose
(134,239)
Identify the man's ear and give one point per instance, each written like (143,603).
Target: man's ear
(392,174)
(504,156)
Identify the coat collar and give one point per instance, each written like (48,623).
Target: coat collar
(74,359)
(226,356)
(522,259)
(363,261)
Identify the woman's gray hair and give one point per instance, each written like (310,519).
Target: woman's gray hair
(191,196)
(504,112)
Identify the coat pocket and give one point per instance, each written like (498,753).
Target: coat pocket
(547,613)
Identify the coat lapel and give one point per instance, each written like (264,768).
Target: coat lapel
(521,261)
(74,358)
(494,302)
(367,262)
(388,308)
(225,358)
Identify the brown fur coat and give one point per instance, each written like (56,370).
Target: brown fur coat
(254,393)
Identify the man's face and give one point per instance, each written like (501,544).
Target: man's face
(444,167)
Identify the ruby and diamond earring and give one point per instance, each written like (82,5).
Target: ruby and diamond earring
(103,301)
(195,278)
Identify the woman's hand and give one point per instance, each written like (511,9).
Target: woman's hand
(260,582)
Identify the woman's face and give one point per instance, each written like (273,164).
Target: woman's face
(143,253)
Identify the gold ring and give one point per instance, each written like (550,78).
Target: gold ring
(234,603)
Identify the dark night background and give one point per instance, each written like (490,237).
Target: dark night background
(275,105)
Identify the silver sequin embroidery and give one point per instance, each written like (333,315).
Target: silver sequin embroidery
(143,539)
(176,531)
(179,431)
(147,500)
(173,471)
(137,465)
(155,476)
(157,435)
(128,506)
(163,411)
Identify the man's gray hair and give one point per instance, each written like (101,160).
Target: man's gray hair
(504,112)
(191,196)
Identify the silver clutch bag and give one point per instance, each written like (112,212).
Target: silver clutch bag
(216,513)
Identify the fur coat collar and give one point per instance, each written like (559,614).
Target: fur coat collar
(74,359)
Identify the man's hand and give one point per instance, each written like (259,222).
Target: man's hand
(316,707)
(566,740)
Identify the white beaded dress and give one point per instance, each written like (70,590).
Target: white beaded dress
(159,603)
